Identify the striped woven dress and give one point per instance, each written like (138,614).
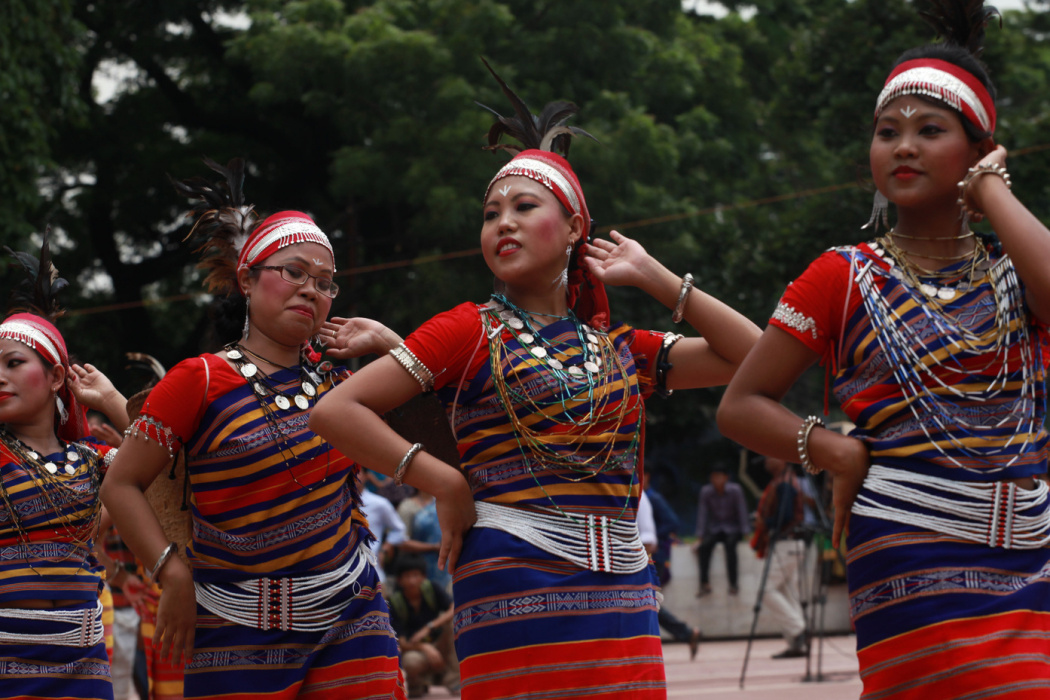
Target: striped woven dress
(51,560)
(949,592)
(528,621)
(270,499)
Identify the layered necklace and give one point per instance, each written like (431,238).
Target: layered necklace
(569,396)
(920,360)
(65,498)
(272,398)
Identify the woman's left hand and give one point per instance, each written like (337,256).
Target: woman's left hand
(91,387)
(619,262)
(353,337)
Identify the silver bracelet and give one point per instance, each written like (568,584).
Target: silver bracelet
(683,296)
(803,444)
(402,467)
(164,557)
(413,366)
(971,175)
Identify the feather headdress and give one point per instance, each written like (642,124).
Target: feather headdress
(223,222)
(542,136)
(961,22)
(544,132)
(38,292)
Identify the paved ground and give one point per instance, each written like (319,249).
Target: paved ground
(715,674)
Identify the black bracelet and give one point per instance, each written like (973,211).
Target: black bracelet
(663,366)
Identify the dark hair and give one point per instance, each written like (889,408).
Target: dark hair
(227,317)
(410,562)
(961,57)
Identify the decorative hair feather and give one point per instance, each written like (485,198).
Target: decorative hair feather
(546,132)
(147,362)
(223,222)
(961,22)
(38,292)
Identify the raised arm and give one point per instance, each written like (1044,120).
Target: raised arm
(349,417)
(727,335)
(1024,237)
(751,414)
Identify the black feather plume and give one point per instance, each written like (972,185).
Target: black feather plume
(38,292)
(961,22)
(546,132)
(223,222)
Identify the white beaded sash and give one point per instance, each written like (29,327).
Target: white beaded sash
(299,603)
(591,542)
(997,513)
(86,626)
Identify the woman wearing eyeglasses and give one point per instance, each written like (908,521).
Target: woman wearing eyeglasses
(279,597)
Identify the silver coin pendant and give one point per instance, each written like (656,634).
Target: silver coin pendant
(282,402)
(51,467)
(302,402)
(70,469)
(309,389)
(234,354)
(249,370)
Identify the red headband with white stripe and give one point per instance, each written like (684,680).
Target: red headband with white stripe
(944,81)
(280,231)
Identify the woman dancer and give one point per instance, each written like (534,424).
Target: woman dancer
(553,594)
(937,349)
(281,598)
(51,630)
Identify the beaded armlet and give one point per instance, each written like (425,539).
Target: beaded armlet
(149,428)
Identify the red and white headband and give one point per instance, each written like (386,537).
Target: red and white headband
(38,334)
(279,231)
(553,172)
(944,81)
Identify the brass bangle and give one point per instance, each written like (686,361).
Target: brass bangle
(683,297)
(803,444)
(406,461)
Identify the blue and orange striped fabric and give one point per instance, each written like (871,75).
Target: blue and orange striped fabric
(271,500)
(54,565)
(528,623)
(50,671)
(936,616)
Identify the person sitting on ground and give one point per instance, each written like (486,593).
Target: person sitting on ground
(421,613)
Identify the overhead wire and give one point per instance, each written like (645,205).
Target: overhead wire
(470,252)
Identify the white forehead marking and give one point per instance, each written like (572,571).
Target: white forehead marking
(504,190)
(318,262)
(908,111)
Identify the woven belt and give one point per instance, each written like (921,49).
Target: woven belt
(590,542)
(997,514)
(85,626)
(299,603)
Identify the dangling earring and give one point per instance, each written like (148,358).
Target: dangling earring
(63,414)
(879,210)
(562,280)
(247,326)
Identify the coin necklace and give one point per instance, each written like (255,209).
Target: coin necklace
(311,378)
(66,501)
(582,391)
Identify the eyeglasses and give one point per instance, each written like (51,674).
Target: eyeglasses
(298,276)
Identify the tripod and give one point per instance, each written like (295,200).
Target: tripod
(819,597)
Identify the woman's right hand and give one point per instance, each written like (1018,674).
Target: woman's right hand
(176,613)
(456,515)
(848,461)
